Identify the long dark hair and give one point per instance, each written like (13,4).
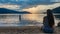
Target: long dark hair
(50,18)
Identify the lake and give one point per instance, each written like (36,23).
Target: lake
(25,19)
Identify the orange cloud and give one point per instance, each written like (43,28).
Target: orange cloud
(41,8)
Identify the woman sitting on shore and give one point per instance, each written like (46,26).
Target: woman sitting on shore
(48,22)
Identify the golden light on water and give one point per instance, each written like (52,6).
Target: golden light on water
(34,17)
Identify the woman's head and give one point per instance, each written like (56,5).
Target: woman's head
(49,12)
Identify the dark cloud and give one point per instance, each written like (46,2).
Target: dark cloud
(26,3)
(29,2)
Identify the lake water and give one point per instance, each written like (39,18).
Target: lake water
(26,19)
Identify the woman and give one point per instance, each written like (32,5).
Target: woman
(48,22)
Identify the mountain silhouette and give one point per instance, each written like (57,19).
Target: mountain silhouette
(8,11)
(56,10)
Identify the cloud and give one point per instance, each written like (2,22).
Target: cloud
(12,7)
(41,8)
(55,0)
(36,9)
(29,5)
(26,3)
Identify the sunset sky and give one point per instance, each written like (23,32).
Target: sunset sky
(32,6)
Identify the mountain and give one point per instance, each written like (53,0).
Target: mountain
(8,11)
(56,10)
